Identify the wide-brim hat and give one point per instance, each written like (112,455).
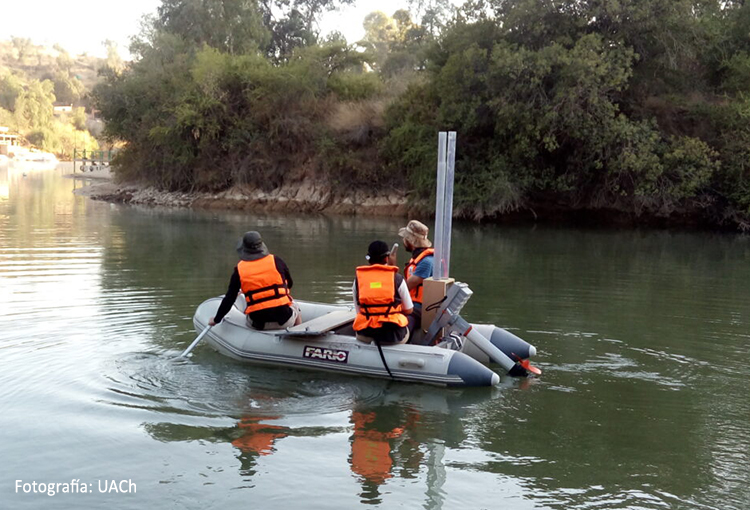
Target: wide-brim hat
(251,246)
(416,233)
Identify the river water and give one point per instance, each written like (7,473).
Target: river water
(644,339)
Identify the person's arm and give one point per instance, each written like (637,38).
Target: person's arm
(414,281)
(229,299)
(283,270)
(407,306)
(354,295)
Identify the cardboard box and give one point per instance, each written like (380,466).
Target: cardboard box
(433,293)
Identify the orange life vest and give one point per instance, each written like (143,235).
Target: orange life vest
(262,284)
(377,297)
(416,292)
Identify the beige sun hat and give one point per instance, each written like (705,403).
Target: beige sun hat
(416,233)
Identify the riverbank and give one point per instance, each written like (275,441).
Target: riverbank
(306,196)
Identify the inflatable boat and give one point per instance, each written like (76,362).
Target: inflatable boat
(458,353)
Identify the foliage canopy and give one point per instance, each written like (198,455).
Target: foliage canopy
(632,107)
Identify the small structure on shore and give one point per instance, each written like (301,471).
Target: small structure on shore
(7,141)
(90,161)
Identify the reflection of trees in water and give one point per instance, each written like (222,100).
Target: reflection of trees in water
(43,211)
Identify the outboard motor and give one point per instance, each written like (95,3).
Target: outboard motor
(498,345)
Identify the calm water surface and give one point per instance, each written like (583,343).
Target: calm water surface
(644,338)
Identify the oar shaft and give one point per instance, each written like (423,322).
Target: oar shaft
(195,342)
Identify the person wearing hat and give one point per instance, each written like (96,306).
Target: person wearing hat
(265,281)
(381,299)
(419,266)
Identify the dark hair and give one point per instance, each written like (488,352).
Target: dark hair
(377,252)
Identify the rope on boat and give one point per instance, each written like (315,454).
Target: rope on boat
(382,357)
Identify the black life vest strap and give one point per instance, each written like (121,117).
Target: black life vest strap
(275,287)
(368,313)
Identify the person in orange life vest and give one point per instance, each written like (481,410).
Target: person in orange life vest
(381,299)
(419,266)
(265,281)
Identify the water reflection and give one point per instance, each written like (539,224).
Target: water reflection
(394,434)
(258,438)
(380,434)
(251,436)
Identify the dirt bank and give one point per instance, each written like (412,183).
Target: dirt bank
(306,196)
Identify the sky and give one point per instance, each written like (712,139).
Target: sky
(82,25)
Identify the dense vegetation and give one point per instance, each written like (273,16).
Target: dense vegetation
(32,79)
(631,108)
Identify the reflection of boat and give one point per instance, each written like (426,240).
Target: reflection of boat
(325,341)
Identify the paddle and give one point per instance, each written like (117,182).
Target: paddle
(195,342)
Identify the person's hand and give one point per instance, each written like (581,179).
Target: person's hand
(392,256)
(211,321)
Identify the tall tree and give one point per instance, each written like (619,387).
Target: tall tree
(234,26)
(293,23)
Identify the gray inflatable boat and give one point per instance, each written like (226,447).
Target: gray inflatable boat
(325,341)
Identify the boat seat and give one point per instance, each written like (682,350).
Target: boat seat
(322,324)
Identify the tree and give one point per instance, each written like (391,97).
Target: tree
(397,43)
(292,23)
(64,61)
(234,26)
(432,14)
(380,34)
(114,61)
(68,89)
(33,106)
(10,88)
(23,47)
(308,10)
(287,35)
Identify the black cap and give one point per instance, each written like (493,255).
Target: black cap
(377,251)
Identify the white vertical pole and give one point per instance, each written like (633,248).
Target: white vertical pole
(440,205)
(448,208)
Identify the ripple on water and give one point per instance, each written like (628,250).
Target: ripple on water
(592,354)
(216,386)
